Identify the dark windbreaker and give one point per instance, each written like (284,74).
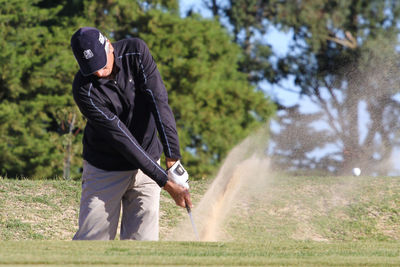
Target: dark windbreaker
(125,114)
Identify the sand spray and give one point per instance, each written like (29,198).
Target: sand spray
(245,168)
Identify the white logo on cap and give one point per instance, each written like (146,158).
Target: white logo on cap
(88,53)
(101,38)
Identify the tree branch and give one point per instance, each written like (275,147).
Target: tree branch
(349,41)
(325,107)
(336,104)
(213,6)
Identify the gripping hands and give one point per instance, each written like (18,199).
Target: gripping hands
(179,175)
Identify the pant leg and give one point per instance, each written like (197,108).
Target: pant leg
(140,209)
(100,205)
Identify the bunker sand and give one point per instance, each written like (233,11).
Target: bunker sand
(243,169)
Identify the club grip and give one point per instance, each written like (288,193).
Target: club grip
(187,207)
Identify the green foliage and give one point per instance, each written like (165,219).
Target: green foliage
(36,69)
(249,21)
(214,105)
(23,129)
(41,127)
(344,55)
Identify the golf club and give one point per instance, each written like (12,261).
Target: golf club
(189,211)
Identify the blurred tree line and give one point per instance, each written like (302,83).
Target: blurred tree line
(342,57)
(40,126)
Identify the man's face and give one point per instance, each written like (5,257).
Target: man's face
(106,71)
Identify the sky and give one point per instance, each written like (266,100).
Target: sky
(279,42)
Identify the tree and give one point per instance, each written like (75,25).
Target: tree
(40,124)
(294,140)
(338,55)
(36,67)
(214,105)
(345,58)
(249,22)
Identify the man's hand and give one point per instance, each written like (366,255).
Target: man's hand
(177,185)
(178,174)
(180,194)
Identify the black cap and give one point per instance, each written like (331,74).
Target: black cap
(88,45)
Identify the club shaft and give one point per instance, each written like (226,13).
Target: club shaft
(189,211)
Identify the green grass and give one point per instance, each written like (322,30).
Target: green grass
(38,209)
(288,221)
(123,253)
(48,209)
(320,209)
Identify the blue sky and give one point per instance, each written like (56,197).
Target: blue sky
(279,42)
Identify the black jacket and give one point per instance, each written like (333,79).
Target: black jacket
(124,115)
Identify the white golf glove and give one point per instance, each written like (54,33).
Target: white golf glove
(179,175)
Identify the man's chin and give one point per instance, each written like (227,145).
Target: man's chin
(104,76)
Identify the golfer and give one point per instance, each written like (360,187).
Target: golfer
(129,124)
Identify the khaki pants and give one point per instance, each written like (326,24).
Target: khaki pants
(102,195)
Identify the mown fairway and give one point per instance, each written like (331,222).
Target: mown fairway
(284,253)
(283,221)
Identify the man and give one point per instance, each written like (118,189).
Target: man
(120,91)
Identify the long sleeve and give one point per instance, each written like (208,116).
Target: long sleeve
(116,133)
(154,88)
